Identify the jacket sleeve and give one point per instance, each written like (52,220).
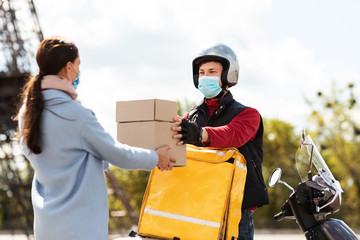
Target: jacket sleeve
(99,143)
(240,130)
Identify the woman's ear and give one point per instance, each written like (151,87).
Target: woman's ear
(68,67)
(65,71)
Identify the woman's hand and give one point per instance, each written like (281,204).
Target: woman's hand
(165,161)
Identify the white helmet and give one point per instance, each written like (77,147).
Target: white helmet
(218,53)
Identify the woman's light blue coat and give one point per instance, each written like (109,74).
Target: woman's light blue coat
(69,193)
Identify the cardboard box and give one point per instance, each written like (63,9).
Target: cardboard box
(146,110)
(151,135)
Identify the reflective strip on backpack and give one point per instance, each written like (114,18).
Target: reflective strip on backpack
(240,165)
(182,218)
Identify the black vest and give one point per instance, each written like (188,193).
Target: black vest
(255,189)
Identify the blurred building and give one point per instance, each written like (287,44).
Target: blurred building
(20,34)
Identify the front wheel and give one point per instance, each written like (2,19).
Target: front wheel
(332,229)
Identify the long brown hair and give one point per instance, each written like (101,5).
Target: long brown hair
(52,55)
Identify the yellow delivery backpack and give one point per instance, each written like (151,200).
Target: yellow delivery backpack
(200,201)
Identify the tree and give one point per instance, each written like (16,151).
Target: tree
(280,144)
(133,183)
(335,120)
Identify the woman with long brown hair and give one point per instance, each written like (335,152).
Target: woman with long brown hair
(68,147)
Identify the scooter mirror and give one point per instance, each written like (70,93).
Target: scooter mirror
(275,177)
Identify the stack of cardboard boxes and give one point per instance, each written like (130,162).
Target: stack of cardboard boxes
(147,124)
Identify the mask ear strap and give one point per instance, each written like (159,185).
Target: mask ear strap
(69,77)
(73,67)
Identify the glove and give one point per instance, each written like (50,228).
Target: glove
(191,132)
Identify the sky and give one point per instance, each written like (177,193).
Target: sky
(142,49)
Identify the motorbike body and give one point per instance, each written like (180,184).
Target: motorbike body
(315,197)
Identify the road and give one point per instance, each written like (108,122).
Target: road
(259,235)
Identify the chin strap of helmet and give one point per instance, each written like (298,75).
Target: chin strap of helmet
(221,94)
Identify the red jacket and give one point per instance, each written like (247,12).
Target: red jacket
(239,131)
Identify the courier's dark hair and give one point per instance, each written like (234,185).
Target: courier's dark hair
(52,55)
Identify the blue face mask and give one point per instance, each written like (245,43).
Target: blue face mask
(77,80)
(209,86)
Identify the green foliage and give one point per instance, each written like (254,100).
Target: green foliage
(335,119)
(134,184)
(336,132)
(184,107)
(280,144)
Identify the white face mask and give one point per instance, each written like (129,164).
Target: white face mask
(209,86)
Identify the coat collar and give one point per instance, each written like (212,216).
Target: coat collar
(225,100)
(54,96)
(59,83)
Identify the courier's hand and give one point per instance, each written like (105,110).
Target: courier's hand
(165,161)
(177,129)
(188,131)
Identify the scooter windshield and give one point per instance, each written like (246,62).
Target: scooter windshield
(305,153)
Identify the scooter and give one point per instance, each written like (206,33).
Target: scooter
(315,197)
